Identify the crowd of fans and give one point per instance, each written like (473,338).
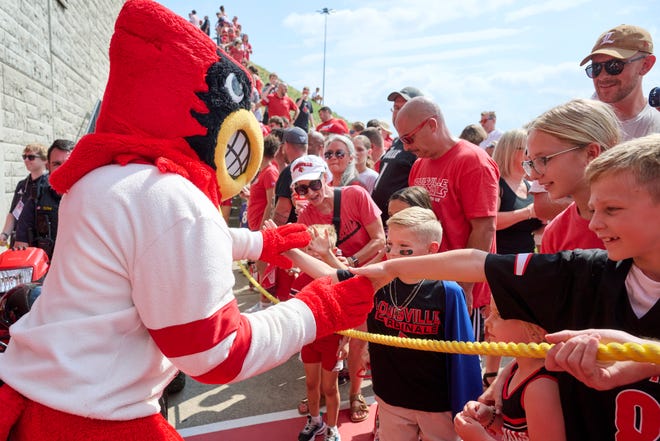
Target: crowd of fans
(491,190)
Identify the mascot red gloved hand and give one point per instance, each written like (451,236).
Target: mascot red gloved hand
(140,284)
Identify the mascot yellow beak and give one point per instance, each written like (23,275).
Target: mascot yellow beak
(238,152)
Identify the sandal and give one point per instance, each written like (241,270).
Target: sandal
(359,408)
(485,378)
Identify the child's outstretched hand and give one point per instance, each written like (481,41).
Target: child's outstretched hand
(320,245)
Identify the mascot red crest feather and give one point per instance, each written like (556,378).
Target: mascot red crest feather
(175,100)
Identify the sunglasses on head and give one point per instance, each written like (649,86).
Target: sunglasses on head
(302,189)
(338,154)
(612,67)
(30,157)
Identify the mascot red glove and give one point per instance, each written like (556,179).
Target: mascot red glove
(282,239)
(337,307)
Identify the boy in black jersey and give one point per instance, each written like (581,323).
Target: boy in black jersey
(618,288)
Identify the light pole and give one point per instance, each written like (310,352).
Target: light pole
(326,12)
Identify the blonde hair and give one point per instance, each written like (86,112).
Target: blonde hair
(421,222)
(580,122)
(505,149)
(320,229)
(37,149)
(640,157)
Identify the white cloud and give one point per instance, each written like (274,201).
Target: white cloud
(542,8)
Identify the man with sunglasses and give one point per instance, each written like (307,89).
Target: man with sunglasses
(37,225)
(618,62)
(487,121)
(36,161)
(462,181)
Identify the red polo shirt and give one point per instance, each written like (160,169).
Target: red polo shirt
(279,106)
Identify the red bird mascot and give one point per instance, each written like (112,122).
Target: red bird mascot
(141,279)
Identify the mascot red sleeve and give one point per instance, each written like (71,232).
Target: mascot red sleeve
(140,284)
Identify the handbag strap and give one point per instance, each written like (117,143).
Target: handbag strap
(337,212)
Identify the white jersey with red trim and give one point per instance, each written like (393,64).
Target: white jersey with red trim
(148,271)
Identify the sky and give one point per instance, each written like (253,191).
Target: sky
(516,57)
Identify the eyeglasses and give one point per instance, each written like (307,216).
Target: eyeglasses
(409,137)
(612,67)
(539,164)
(483,121)
(30,157)
(338,154)
(302,189)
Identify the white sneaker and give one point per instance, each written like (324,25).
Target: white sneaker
(332,434)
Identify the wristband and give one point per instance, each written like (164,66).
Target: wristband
(492,417)
(5,234)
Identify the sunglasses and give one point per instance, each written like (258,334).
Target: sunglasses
(612,67)
(30,157)
(338,154)
(302,189)
(409,137)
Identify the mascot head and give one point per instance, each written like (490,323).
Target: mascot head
(173,94)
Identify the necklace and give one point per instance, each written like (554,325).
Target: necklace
(394,297)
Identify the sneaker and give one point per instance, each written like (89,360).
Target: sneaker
(332,434)
(343,377)
(311,429)
(259,306)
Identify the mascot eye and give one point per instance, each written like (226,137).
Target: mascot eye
(234,88)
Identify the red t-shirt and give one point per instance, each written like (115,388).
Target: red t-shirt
(463,185)
(357,211)
(279,106)
(569,231)
(258,201)
(334,125)
(237,53)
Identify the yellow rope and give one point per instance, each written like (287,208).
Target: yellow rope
(649,353)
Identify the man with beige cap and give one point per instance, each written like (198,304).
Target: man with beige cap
(619,60)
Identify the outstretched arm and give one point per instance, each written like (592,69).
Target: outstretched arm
(314,267)
(459,265)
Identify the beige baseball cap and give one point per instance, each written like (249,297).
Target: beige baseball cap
(622,42)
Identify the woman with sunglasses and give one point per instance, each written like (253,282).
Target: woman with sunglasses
(35,158)
(560,144)
(360,236)
(339,154)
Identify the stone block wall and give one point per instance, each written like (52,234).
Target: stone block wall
(53,70)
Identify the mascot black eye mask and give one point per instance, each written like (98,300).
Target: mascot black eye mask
(174,100)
